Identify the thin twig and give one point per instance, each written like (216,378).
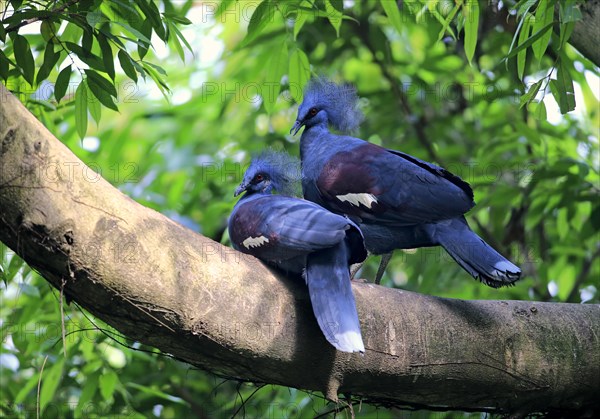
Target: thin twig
(350,407)
(39,387)
(26,22)
(62,316)
(243,405)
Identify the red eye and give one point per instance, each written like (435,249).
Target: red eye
(258,178)
(313,111)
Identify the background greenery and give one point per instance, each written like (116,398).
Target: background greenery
(218,81)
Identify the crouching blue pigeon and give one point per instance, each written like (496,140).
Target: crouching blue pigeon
(299,236)
(397,200)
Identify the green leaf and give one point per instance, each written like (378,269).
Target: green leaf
(50,380)
(258,21)
(523,6)
(127,66)
(15,264)
(108,382)
(471,12)
(107,55)
(139,68)
(223,6)
(62,82)
(86,56)
(50,59)
(144,44)
(95,17)
(393,14)
(275,70)
(143,36)
(174,41)
(566,280)
(562,223)
(102,89)
(124,9)
(299,73)
(562,88)
(155,392)
(556,92)
(544,15)
(2,34)
(535,214)
(516,35)
(102,82)
(334,16)
(538,110)
(48,31)
(4,65)
(182,20)
(26,389)
(81,112)
(530,95)
(150,69)
(522,55)
(446,24)
(105,30)
(569,12)
(529,41)
(153,16)
(299,22)
(87,393)
(179,35)
(566,29)
(24,58)
(157,68)
(87,41)
(94,105)
(159,28)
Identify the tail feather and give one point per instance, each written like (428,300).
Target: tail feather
(328,279)
(474,255)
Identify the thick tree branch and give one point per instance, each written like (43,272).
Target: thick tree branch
(586,34)
(215,308)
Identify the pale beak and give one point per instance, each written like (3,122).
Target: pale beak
(296,127)
(242,188)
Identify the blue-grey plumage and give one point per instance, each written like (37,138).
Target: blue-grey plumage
(283,172)
(340,101)
(398,200)
(331,297)
(297,235)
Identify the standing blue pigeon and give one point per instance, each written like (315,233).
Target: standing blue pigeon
(294,234)
(398,200)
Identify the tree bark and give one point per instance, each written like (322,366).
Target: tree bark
(586,33)
(225,312)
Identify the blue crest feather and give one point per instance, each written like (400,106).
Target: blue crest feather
(283,169)
(340,102)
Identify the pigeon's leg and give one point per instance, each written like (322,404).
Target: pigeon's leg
(355,268)
(385,259)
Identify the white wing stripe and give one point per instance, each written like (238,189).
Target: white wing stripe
(255,241)
(356,199)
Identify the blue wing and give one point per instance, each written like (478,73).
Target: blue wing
(388,186)
(276,228)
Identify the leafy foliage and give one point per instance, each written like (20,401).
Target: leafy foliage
(455,82)
(80,36)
